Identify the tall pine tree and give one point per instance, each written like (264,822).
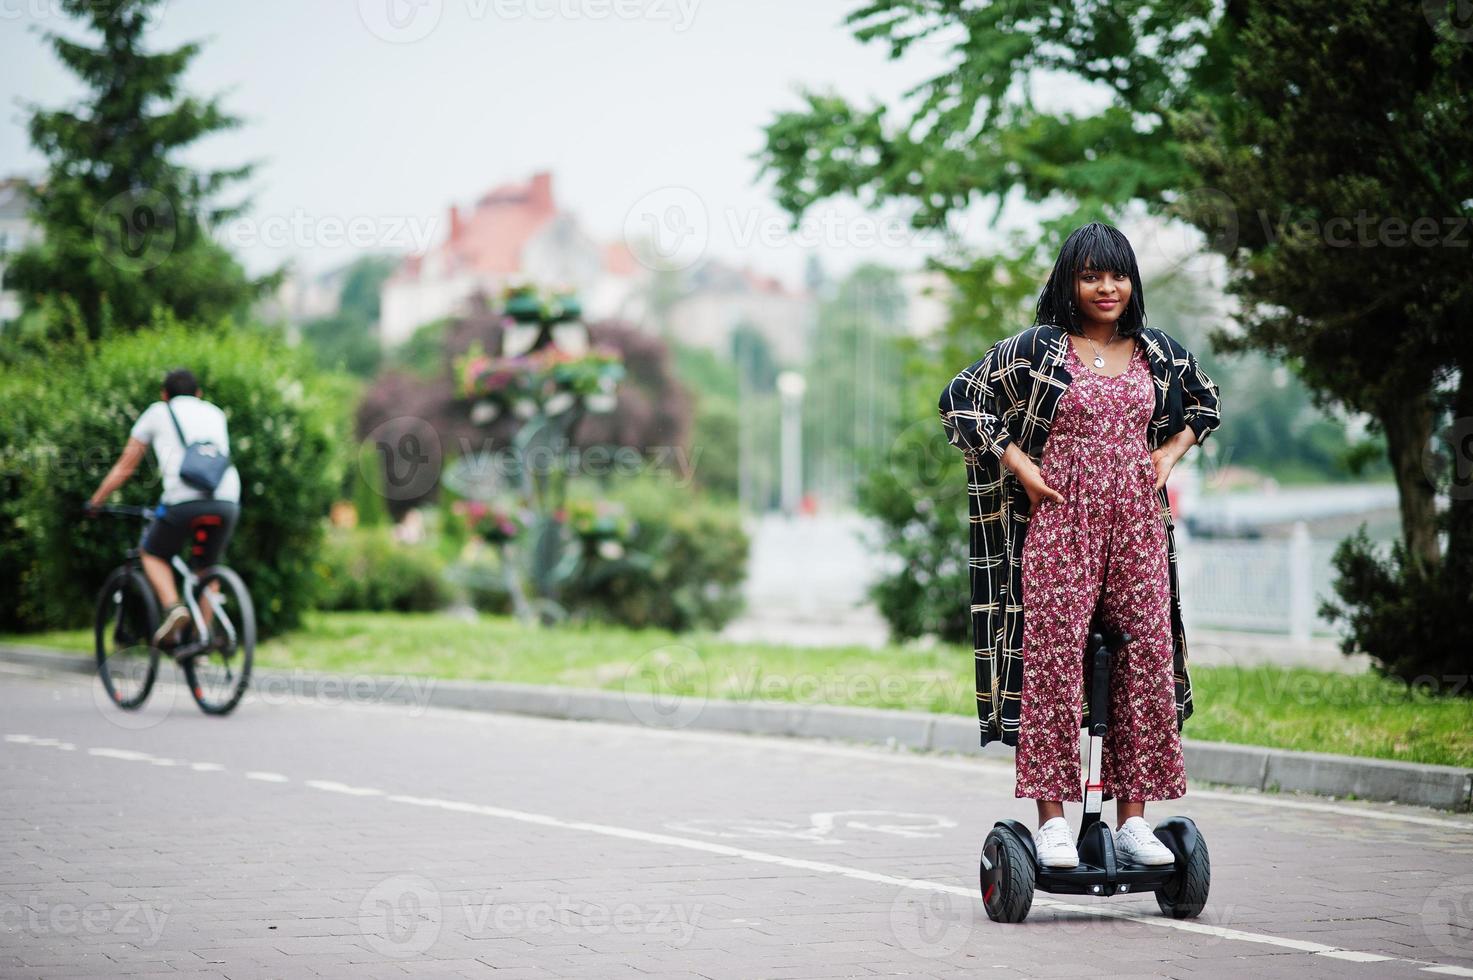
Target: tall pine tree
(125,226)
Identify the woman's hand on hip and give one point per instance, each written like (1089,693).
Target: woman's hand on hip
(1031,477)
(1164,456)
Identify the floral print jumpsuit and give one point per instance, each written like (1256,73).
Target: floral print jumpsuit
(1104,545)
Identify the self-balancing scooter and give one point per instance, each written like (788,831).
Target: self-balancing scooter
(1010,869)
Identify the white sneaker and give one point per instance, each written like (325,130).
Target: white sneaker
(1055,844)
(174,621)
(1136,844)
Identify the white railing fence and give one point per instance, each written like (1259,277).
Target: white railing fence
(1272,585)
(817,569)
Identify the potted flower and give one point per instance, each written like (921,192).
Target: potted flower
(521,302)
(498,379)
(602,526)
(524,303)
(496,525)
(595,372)
(549,379)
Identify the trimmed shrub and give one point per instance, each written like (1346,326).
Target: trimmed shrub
(698,553)
(1412,620)
(67,418)
(366,569)
(480,578)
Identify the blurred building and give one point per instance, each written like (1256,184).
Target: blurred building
(306,296)
(16,231)
(717,298)
(515,232)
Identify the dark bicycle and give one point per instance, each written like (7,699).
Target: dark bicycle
(215,650)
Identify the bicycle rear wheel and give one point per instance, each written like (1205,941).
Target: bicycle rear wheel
(127,615)
(218,677)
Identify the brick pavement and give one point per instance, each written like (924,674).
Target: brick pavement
(383,841)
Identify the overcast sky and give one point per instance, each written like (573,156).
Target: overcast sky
(370,116)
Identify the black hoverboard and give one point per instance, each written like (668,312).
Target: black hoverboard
(1010,869)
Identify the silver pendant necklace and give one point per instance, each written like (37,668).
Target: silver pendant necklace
(1100,358)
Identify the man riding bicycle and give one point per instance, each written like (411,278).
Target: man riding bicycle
(205,520)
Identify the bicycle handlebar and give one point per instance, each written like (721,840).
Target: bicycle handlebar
(127,510)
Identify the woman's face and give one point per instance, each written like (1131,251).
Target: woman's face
(1101,295)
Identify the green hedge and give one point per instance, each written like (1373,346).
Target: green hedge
(683,569)
(366,569)
(67,416)
(699,553)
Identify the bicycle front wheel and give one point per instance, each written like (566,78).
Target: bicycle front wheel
(127,615)
(218,677)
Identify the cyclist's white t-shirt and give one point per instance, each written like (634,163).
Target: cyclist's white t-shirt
(200,421)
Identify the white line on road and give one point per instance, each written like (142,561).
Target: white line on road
(975,768)
(1346,811)
(998,768)
(824,867)
(266,777)
(1354,957)
(335,787)
(127,755)
(920,884)
(51,743)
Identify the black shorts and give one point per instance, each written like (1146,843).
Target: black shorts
(206,525)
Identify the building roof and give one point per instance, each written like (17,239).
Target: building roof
(715,275)
(489,237)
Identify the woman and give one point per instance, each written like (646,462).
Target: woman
(1070,429)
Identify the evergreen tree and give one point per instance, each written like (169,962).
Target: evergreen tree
(1348,160)
(125,226)
(1348,156)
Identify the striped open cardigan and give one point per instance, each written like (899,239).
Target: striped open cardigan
(1010,395)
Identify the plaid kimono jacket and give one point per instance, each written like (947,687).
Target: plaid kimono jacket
(1009,395)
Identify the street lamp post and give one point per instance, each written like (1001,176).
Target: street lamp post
(790,386)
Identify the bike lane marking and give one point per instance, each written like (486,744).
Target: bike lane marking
(806,864)
(1000,769)
(268,777)
(981,768)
